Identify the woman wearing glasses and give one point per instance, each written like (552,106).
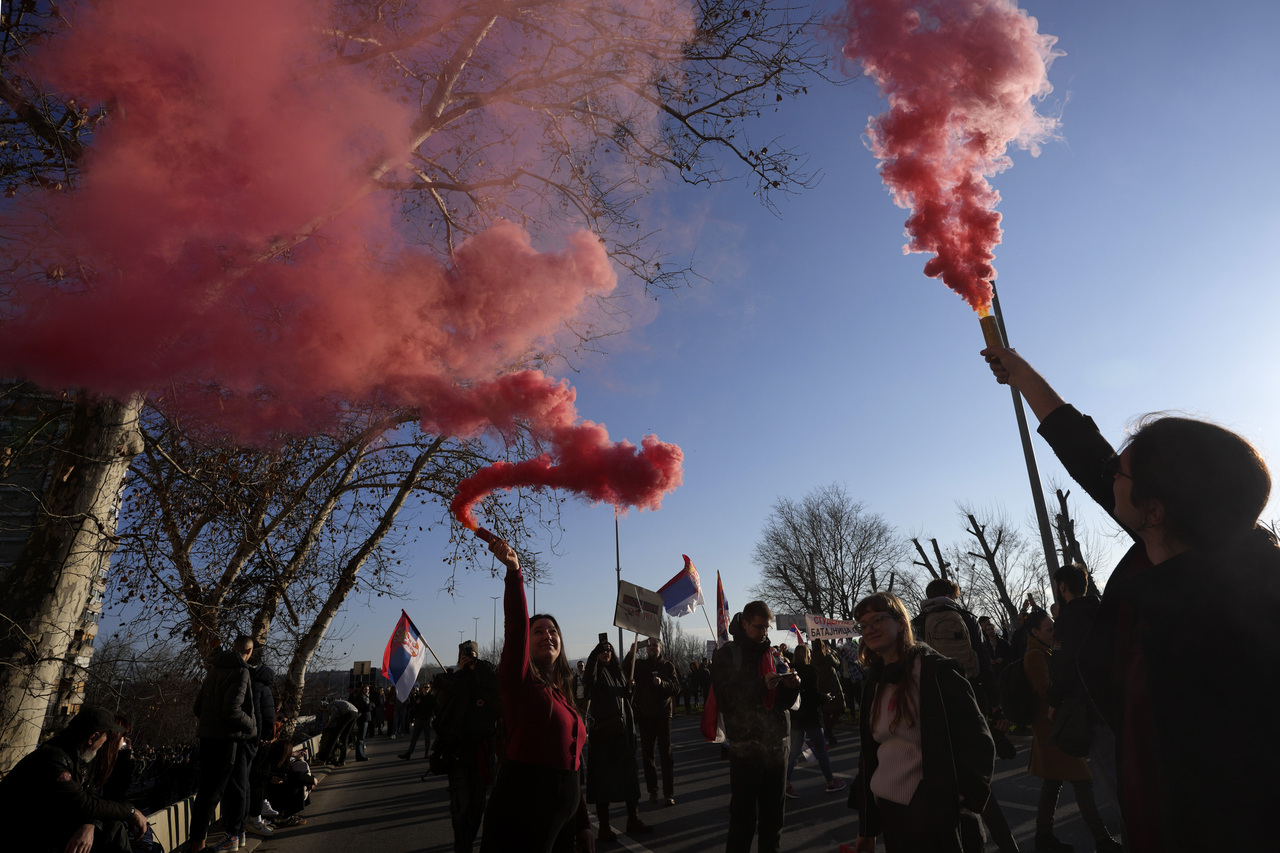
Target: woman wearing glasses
(927,754)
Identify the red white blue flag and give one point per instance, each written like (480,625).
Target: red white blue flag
(683,593)
(406,653)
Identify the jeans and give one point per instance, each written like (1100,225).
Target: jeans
(819,743)
(362,728)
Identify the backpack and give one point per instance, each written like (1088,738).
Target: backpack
(944,630)
(1017,699)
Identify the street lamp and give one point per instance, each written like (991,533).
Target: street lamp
(460,634)
(475,629)
(495,621)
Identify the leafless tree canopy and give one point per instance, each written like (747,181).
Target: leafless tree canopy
(822,553)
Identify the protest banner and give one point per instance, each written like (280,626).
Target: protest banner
(822,628)
(638,610)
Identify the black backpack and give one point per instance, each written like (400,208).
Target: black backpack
(1017,699)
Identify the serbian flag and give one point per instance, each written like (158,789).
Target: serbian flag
(794,637)
(406,653)
(722,613)
(683,593)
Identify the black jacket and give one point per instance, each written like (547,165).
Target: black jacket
(225,702)
(47,796)
(740,695)
(1183,661)
(264,701)
(651,701)
(955,744)
(1075,618)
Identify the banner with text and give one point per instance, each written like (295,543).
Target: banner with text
(638,610)
(822,628)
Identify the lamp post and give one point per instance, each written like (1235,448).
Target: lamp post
(495,621)
(475,629)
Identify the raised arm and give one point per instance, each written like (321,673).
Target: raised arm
(1013,370)
(514,665)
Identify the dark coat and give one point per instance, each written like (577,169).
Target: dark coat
(225,702)
(955,744)
(1075,618)
(264,701)
(651,701)
(740,695)
(611,764)
(46,797)
(1047,761)
(809,714)
(1183,661)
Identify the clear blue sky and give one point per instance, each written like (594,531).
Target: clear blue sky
(1138,272)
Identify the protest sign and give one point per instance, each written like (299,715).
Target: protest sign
(822,628)
(638,610)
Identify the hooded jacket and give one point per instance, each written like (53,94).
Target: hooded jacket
(264,701)
(225,702)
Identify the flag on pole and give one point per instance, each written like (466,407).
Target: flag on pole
(683,593)
(404,657)
(794,637)
(722,613)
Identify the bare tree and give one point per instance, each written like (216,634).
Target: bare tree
(610,97)
(821,554)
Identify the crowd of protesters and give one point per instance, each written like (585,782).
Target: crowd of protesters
(1097,682)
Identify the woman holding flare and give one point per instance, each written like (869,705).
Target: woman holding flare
(537,804)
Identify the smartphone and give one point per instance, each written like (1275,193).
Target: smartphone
(604,636)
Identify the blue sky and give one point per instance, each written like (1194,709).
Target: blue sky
(1137,271)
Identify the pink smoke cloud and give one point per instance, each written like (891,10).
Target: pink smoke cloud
(961,79)
(229,141)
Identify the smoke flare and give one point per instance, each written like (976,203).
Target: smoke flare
(960,77)
(234,258)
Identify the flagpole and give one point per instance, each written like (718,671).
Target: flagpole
(617,549)
(423,638)
(714,635)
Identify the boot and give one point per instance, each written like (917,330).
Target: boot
(1046,841)
(605,832)
(635,826)
(1092,819)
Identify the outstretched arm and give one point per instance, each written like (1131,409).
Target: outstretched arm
(1012,369)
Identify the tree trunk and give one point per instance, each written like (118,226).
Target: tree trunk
(46,591)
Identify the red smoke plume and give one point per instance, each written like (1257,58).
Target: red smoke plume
(235,260)
(960,77)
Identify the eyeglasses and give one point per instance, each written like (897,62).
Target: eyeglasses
(758,626)
(1113,468)
(871,620)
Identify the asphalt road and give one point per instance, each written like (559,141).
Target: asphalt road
(383,806)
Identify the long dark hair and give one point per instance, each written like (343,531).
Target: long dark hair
(614,666)
(559,676)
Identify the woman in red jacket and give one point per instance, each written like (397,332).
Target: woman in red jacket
(537,804)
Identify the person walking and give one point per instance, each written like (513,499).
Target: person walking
(468,714)
(611,753)
(806,722)
(1050,763)
(422,707)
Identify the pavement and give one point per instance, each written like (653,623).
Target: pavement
(386,805)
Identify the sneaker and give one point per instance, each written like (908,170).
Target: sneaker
(257,826)
(291,820)
(836,785)
(267,811)
(671,801)
(791,792)
(231,842)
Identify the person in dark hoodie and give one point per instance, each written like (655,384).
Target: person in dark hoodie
(927,754)
(47,802)
(226,726)
(1197,593)
(264,707)
(754,700)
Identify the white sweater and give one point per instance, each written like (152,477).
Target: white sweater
(900,767)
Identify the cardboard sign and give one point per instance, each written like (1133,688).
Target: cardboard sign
(822,628)
(638,610)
